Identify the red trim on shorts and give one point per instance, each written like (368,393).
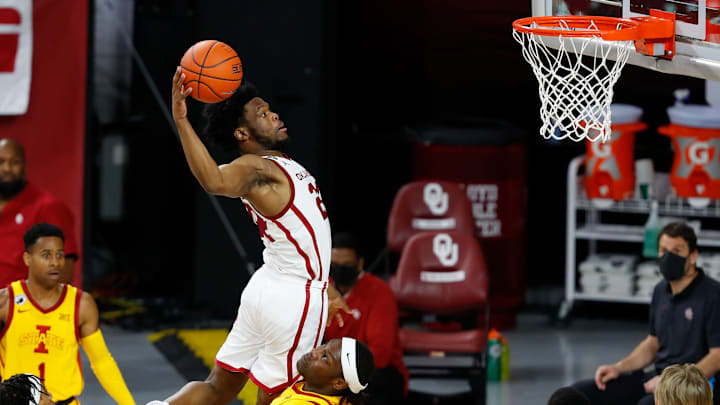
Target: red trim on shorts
(304,220)
(78,296)
(229,367)
(275,389)
(292,192)
(11,309)
(299,332)
(292,240)
(36,305)
(310,394)
(322,313)
(254,379)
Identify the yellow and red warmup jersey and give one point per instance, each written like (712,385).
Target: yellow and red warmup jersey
(43,342)
(295,395)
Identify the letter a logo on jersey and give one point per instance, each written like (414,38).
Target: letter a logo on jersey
(42,337)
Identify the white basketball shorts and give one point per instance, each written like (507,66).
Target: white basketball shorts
(281,317)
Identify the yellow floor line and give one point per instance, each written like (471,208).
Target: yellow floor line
(205,343)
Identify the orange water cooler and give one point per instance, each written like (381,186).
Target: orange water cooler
(609,166)
(695,134)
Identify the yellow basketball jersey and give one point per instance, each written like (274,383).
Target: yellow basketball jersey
(43,342)
(296,395)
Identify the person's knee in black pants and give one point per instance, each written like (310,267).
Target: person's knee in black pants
(625,390)
(647,400)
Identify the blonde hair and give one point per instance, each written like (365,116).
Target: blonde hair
(683,385)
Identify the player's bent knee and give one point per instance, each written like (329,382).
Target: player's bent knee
(226,383)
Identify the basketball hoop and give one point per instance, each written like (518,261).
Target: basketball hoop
(576,93)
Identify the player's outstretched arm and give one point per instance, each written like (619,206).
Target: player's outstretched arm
(230,180)
(101,360)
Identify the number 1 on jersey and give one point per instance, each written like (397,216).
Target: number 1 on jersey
(41,368)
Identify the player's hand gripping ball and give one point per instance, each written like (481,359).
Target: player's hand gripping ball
(213,70)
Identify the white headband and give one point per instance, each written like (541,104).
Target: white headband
(349,366)
(35,386)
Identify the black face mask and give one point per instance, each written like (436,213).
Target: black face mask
(344,275)
(672,266)
(10,189)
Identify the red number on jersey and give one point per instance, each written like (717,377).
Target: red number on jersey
(321,206)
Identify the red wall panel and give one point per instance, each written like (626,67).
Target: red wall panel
(53,129)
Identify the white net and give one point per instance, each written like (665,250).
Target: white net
(575,91)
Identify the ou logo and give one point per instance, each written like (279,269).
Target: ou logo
(445,250)
(601,149)
(699,153)
(435,198)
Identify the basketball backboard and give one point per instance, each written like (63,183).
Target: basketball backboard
(697,40)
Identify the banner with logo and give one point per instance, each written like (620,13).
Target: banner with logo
(53,128)
(16,48)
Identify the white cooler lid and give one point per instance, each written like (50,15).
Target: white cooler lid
(696,116)
(625,113)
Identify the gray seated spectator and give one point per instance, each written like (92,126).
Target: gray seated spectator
(684,327)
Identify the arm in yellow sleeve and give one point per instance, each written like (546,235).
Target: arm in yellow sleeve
(105,368)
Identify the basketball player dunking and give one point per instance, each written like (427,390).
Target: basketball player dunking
(284,307)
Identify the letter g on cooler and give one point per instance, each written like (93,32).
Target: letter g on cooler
(699,153)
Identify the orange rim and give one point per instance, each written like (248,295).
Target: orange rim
(610,28)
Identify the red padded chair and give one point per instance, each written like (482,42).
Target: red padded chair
(428,206)
(442,274)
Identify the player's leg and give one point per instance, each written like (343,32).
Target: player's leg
(263,398)
(221,387)
(236,356)
(290,330)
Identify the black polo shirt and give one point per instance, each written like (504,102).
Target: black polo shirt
(687,325)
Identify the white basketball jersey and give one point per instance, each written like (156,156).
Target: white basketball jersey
(297,240)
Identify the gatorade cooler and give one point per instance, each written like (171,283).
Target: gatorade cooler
(695,134)
(609,165)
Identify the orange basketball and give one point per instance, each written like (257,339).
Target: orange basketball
(213,70)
